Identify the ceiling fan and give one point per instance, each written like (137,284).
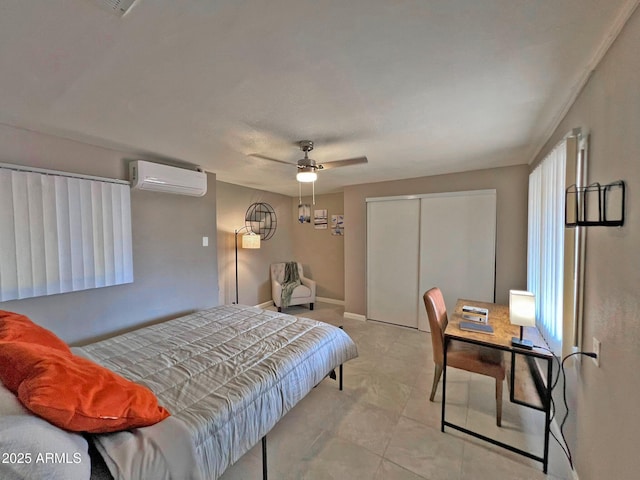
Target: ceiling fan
(308,168)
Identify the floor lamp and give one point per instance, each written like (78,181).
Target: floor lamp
(249,240)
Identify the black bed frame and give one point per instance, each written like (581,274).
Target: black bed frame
(331,375)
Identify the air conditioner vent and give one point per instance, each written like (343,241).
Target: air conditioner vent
(119,7)
(157,177)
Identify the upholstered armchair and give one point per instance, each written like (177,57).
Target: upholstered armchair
(304,293)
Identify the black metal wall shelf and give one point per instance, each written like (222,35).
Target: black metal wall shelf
(595,205)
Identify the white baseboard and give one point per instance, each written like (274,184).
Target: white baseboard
(355,316)
(264,304)
(318,299)
(330,300)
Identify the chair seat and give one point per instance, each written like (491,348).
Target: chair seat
(474,358)
(301,291)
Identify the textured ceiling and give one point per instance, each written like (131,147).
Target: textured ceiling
(419,87)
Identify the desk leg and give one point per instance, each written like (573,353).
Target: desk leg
(512,378)
(547,418)
(444,383)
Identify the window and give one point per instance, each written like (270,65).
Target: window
(545,248)
(61,234)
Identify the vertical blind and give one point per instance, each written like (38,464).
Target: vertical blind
(545,247)
(62,234)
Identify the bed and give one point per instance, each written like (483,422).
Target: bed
(226,374)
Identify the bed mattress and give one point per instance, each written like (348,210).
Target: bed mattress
(226,374)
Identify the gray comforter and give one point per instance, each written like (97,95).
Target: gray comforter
(227,375)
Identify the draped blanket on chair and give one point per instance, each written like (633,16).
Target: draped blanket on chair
(290,282)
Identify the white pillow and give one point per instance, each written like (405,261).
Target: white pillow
(31,447)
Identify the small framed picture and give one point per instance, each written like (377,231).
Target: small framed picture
(337,224)
(320,219)
(304,213)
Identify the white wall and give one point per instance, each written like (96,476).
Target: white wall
(603,424)
(511,184)
(173,273)
(254,284)
(321,253)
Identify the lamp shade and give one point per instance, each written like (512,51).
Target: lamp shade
(522,308)
(306,175)
(250,240)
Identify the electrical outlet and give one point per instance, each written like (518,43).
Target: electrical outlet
(596,350)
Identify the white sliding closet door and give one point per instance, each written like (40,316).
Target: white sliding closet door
(392,261)
(457,247)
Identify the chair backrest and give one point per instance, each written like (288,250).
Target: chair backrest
(437,314)
(277,271)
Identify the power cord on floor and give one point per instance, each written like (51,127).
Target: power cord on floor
(553,403)
(565,448)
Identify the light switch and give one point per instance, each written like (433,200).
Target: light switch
(205,241)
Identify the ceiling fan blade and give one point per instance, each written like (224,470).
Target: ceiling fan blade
(343,163)
(264,157)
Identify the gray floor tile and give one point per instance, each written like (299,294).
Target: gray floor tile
(382,426)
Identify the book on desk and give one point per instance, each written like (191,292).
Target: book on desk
(476,327)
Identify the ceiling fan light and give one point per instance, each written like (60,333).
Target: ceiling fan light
(307,175)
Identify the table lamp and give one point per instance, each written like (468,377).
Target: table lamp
(522,312)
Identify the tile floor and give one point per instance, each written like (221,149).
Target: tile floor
(383,427)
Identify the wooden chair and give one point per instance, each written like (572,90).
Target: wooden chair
(462,355)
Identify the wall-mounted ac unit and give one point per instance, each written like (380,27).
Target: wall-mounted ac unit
(164,178)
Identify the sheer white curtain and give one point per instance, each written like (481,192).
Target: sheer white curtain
(545,250)
(61,234)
